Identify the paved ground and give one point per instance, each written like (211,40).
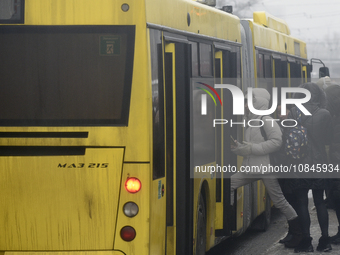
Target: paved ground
(266,243)
(279,249)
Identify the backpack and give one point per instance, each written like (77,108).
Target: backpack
(295,140)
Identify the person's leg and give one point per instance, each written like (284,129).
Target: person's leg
(336,202)
(287,191)
(281,203)
(321,210)
(322,213)
(336,197)
(290,197)
(337,209)
(237,180)
(276,195)
(302,210)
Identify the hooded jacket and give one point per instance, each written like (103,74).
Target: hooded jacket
(333,98)
(259,148)
(325,82)
(319,133)
(319,128)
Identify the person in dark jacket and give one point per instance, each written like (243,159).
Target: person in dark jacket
(333,98)
(285,183)
(319,131)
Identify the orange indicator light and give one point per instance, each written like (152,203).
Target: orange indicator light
(133,185)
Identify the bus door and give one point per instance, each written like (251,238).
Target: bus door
(179,205)
(158,194)
(225,72)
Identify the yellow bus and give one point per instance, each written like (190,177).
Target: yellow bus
(101,124)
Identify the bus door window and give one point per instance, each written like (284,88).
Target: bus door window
(203,130)
(218,80)
(158,185)
(231,75)
(169,137)
(157,104)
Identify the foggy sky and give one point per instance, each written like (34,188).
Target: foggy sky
(313,21)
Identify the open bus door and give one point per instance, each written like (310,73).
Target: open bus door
(179,204)
(225,72)
(171,196)
(158,184)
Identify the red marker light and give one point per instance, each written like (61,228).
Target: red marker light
(133,185)
(128,233)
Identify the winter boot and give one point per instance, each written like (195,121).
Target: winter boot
(324,244)
(305,245)
(336,239)
(288,237)
(295,230)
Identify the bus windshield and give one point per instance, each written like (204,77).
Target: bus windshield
(65,75)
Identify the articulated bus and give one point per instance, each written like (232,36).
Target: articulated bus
(101,124)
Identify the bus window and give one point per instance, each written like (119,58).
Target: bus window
(260,67)
(295,74)
(12,11)
(218,76)
(194,59)
(65,75)
(264,72)
(267,66)
(281,74)
(239,69)
(205,60)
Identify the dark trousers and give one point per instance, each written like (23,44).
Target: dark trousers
(302,210)
(291,198)
(336,200)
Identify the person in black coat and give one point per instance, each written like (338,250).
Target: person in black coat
(319,132)
(285,183)
(333,98)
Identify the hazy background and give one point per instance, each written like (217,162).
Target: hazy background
(317,22)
